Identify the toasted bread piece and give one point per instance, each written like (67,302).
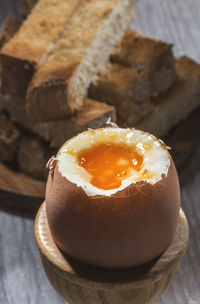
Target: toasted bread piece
(59,87)
(9,28)
(125,88)
(178,103)
(15,107)
(151,56)
(32,156)
(8,139)
(93,115)
(25,52)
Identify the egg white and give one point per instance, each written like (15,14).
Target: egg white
(156,159)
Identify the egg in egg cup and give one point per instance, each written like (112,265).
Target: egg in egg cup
(111,229)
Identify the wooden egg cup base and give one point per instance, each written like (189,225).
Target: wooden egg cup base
(79,283)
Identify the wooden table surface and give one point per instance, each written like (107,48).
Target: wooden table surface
(22,279)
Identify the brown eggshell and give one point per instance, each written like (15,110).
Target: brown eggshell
(127,229)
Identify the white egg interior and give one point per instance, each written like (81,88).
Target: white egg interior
(156,159)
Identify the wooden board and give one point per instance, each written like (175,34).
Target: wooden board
(20,183)
(20,192)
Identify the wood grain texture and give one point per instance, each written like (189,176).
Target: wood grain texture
(80,283)
(20,183)
(22,279)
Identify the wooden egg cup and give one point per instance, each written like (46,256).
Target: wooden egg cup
(79,283)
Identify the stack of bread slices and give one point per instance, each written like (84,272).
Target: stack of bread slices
(78,66)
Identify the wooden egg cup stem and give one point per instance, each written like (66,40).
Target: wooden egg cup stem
(80,284)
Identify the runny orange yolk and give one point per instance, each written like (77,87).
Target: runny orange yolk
(109,164)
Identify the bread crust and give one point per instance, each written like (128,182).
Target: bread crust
(49,99)
(151,56)
(177,103)
(125,88)
(25,52)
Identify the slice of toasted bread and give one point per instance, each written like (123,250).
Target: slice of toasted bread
(151,56)
(178,103)
(60,85)
(8,139)
(125,88)
(22,55)
(93,115)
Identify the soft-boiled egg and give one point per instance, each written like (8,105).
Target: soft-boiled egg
(113,198)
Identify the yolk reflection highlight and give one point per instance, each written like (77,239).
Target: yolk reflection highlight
(109,164)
